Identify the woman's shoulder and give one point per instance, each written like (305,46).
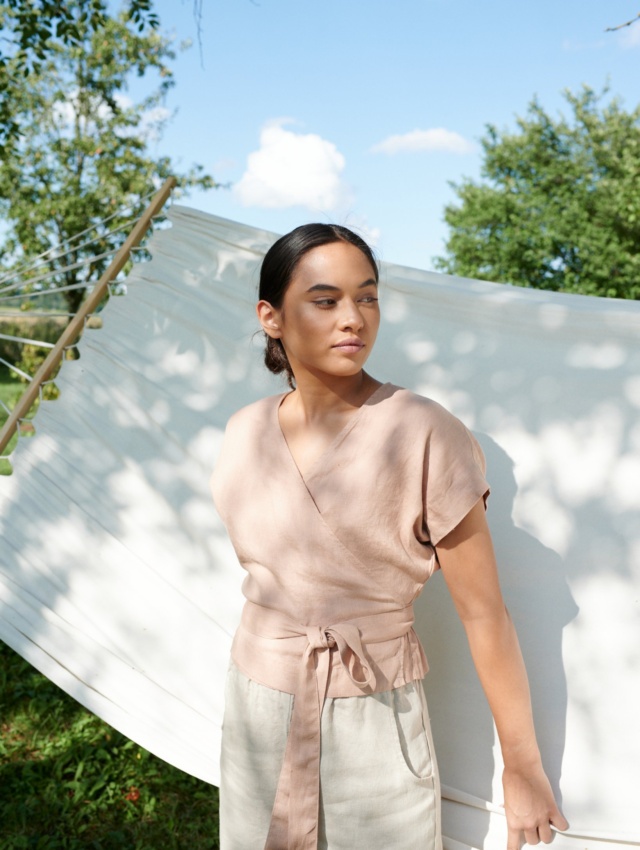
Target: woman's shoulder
(412,406)
(256,413)
(422,423)
(246,433)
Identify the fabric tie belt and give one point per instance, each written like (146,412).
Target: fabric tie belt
(294,819)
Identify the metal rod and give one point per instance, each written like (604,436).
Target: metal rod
(76,325)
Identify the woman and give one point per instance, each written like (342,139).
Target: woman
(341,497)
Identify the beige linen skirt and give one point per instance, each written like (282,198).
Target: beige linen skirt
(379,784)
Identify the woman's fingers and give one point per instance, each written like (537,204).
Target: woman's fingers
(534,835)
(514,839)
(531,836)
(559,820)
(530,807)
(544,833)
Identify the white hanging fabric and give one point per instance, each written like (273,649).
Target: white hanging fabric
(118,583)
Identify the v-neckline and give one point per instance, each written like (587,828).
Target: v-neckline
(339,437)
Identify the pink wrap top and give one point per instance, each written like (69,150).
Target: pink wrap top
(335,559)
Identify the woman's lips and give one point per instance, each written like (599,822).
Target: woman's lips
(350,346)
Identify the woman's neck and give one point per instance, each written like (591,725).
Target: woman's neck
(316,397)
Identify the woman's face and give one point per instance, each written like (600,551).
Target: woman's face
(329,318)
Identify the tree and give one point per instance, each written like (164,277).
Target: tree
(560,205)
(82,153)
(32,29)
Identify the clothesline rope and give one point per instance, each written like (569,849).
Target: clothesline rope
(74,328)
(35,314)
(16,288)
(454,795)
(56,272)
(14,368)
(33,262)
(53,273)
(27,340)
(70,287)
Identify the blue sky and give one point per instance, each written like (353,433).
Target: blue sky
(361,112)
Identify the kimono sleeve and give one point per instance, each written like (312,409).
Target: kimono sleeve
(454,476)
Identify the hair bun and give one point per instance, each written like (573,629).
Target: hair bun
(275,359)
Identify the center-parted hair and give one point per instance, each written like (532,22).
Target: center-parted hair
(278,267)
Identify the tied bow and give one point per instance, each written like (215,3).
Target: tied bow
(299,784)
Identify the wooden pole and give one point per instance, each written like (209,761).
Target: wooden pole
(75,326)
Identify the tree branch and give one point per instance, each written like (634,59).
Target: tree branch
(622,26)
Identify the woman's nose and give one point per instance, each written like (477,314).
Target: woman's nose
(350,316)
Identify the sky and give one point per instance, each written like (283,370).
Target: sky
(364,112)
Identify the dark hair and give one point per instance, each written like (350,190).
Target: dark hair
(278,267)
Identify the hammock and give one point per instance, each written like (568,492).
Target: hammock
(118,583)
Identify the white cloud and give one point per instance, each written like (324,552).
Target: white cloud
(435,139)
(292,169)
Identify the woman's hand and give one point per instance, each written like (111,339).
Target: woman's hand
(530,807)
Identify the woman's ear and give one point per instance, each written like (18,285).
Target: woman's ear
(269,318)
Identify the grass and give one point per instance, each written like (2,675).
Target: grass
(68,781)
(10,392)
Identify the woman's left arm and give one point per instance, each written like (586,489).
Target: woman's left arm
(468,564)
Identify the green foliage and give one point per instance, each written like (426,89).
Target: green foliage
(41,328)
(28,357)
(33,28)
(10,392)
(70,782)
(83,150)
(560,208)
(32,358)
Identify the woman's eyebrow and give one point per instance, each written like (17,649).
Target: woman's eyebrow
(327,287)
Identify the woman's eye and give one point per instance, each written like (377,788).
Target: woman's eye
(369,299)
(325,302)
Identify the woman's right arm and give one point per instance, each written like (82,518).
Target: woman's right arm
(468,564)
